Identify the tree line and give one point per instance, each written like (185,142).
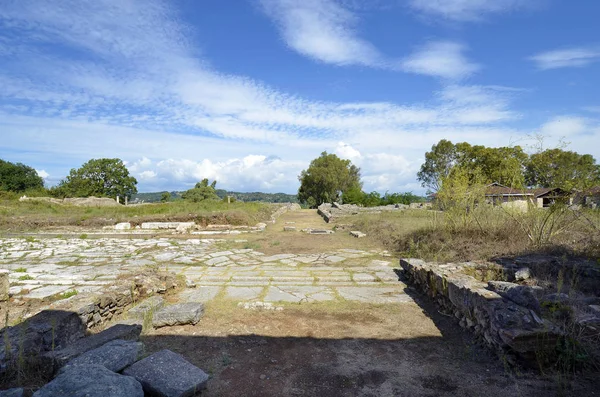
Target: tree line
(508,166)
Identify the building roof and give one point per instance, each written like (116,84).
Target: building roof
(495,189)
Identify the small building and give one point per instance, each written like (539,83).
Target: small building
(589,198)
(542,198)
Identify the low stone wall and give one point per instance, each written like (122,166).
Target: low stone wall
(515,331)
(76,201)
(334,210)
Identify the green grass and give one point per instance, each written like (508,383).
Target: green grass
(68,294)
(29,215)
(20,270)
(25,277)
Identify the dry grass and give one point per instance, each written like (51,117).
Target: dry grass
(32,215)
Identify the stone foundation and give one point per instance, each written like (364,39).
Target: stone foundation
(517,332)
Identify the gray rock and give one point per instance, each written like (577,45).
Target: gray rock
(556,298)
(90,381)
(147,307)
(523,274)
(168,374)
(18,392)
(522,295)
(4,285)
(58,358)
(178,314)
(115,355)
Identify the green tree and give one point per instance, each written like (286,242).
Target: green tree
(202,191)
(165,197)
(326,180)
(18,177)
(564,169)
(505,165)
(100,178)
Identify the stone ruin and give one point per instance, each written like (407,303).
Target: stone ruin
(335,210)
(506,316)
(110,362)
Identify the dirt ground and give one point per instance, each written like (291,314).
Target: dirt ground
(354,350)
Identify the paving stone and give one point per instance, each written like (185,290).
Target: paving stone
(199,294)
(217,260)
(90,381)
(46,291)
(363,277)
(168,374)
(274,258)
(222,253)
(334,259)
(243,293)
(298,294)
(374,294)
(115,355)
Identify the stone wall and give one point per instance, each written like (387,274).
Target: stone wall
(514,330)
(334,210)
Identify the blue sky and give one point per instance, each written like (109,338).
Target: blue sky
(249,91)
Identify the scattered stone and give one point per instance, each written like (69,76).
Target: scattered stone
(523,274)
(556,298)
(319,231)
(259,306)
(263,377)
(178,314)
(90,381)
(115,355)
(357,234)
(167,225)
(123,226)
(168,374)
(146,308)
(189,283)
(261,226)
(289,228)
(17,392)
(58,358)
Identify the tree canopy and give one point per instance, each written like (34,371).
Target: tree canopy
(509,166)
(504,165)
(564,169)
(18,177)
(202,191)
(327,178)
(100,178)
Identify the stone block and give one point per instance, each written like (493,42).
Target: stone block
(123,226)
(91,381)
(145,308)
(168,374)
(357,234)
(4,285)
(115,355)
(522,274)
(178,314)
(16,392)
(58,358)
(289,228)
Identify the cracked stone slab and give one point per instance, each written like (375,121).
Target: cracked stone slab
(374,294)
(46,291)
(217,260)
(200,294)
(244,293)
(298,294)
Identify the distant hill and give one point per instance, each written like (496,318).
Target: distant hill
(154,197)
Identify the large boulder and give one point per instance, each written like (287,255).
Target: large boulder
(178,314)
(168,374)
(91,381)
(57,358)
(115,355)
(46,331)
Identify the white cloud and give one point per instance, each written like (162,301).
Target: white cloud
(42,174)
(564,126)
(467,10)
(566,58)
(151,99)
(443,59)
(323,30)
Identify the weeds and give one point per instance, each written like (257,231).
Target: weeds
(25,277)
(68,294)
(20,270)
